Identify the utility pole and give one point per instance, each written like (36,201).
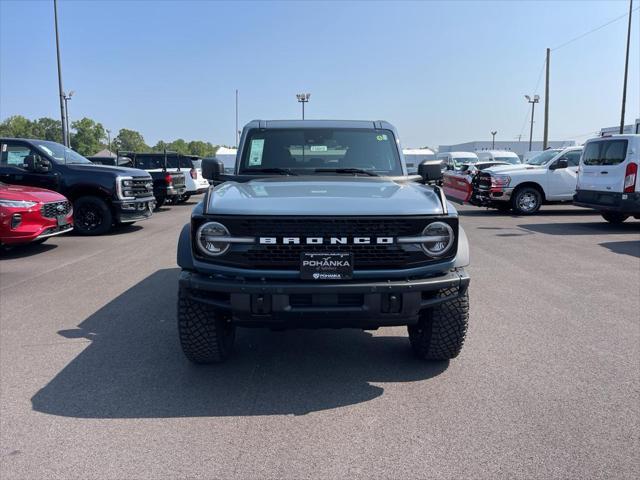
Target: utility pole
(532,101)
(63,113)
(545,138)
(108,140)
(493,139)
(237,140)
(626,69)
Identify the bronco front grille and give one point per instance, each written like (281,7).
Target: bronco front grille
(287,257)
(55,209)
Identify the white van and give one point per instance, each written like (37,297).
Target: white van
(498,156)
(607,177)
(453,160)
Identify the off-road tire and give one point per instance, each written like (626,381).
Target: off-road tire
(614,218)
(101,212)
(159,202)
(440,333)
(184,198)
(520,194)
(205,336)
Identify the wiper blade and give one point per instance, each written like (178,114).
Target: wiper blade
(353,171)
(281,171)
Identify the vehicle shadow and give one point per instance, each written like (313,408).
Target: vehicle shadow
(582,228)
(631,248)
(133,366)
(547,212)
(23,251)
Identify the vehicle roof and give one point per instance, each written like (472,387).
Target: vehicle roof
(493,152)
(31,140)
(628,136)
(320,124)
(460,154)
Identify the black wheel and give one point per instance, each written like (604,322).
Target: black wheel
(184,198)
(91,216)
(159,202)
(614,218)
(440,333)
(205,335)
(526,200)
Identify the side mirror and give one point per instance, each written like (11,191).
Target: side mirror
(212,168)
(561,163)
(430,171)
(35,163)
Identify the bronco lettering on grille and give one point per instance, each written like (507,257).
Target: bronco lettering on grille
(326,240)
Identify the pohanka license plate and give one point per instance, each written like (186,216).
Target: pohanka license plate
(326,266)
(62,220)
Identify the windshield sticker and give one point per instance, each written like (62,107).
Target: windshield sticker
(255,154)
(318,148)
(381,138)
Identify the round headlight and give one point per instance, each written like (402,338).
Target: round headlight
(439,238)
(206,239)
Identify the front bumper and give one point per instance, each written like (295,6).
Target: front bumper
(128,211)
(608,201)
(305,304)
(487,197)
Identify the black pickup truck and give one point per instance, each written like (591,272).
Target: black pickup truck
(168,186)
(102,195)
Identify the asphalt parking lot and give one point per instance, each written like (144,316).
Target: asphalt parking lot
(94,385)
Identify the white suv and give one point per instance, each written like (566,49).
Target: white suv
(608,178)
(549,177)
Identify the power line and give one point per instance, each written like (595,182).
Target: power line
(593,30)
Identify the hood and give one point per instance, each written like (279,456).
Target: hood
(506,169)
(106,169)
(316,195)
(32,194)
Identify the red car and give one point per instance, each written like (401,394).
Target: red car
(30,214)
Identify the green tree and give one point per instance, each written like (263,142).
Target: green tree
(130,140)
(88,137)
(47,128)
(160,146)
(17,126)
(179,146)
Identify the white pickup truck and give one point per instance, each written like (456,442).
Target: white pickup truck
(549,177)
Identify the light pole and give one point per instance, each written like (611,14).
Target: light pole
(237,136)
(66,110)
(62,109)
(532,101)
(109,140)
(493,139)
(303,98)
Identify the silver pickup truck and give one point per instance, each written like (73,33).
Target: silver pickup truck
(320,226)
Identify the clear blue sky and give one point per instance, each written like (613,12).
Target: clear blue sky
(441,72)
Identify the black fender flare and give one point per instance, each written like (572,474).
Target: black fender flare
(185,258)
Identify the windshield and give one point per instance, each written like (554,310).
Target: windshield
(511,160)
(60,153)
(327,151)
(543,157)
(464,160)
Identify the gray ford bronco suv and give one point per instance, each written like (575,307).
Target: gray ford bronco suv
(320,226)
